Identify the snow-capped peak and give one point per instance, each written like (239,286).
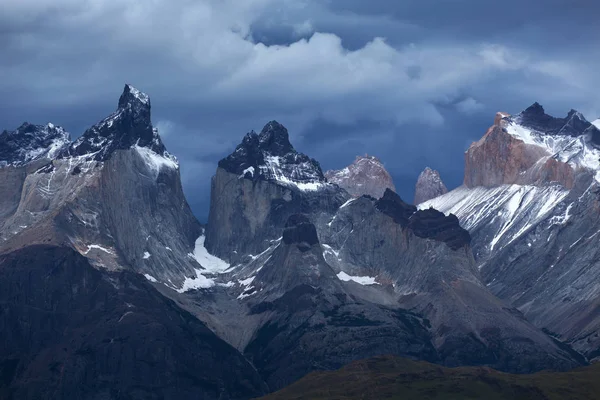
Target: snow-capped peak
(32,142)
(141,96)
(596,123)
(270,156)
(131,94)
(130,125)
(365,176)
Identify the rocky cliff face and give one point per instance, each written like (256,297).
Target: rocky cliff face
(365,176)
(114,195)
(258,187)
(429,186)
(532,148)
(292,271)
(350,272)
(535,240)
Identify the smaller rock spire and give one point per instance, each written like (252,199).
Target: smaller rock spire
(429,186)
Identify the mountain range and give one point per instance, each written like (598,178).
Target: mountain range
(113,290)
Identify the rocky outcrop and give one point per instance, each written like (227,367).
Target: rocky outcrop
(503,158)
(130,125)
(428,265)
(574,124)
(72,331)
(429,186)
(427,224)
(535,241)
(301,278)
(310,320)
(258,187)
(114,195)
(365,176)
(32,142)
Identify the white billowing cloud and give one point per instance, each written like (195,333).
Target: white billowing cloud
(70,51)
(469,106)
(304,28)
(502,58)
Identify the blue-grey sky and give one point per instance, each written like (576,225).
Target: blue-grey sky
(412,82)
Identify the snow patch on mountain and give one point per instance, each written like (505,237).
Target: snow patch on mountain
(198,282)
(141,96)
(98,247)
(578,152)
(155,162)
(596,123)
(294,178)
(362,280)
(209,263)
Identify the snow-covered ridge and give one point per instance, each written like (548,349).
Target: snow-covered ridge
(141,96)
(596,123)
(510,209)
(32,142)
(578,152)
(154,161)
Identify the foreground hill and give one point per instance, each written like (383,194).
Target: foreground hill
(399,378)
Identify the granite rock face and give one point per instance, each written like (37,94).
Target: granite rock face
(292,274)
(365,176)
(114,195)
(532,148)
(535,240)
(429,186)
(128,126)
(310,320)
(351,272)
(258,187)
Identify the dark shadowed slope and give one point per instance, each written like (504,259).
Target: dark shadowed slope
(70,331)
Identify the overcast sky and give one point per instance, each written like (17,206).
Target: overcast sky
(413,82)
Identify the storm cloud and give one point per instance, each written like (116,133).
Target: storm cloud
(412,83)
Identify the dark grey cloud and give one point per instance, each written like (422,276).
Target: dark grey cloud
(411,82)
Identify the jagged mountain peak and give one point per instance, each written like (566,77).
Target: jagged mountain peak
(574,124)
(535,109)
(429,186)
(534,148)
(365,176)
(130,125)
(132,96)
(31,142)
(275,139)
(271,157)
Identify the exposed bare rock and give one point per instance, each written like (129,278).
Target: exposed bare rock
(505,156)
(429,186)
(114,195)
(536,241)
(366,175)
